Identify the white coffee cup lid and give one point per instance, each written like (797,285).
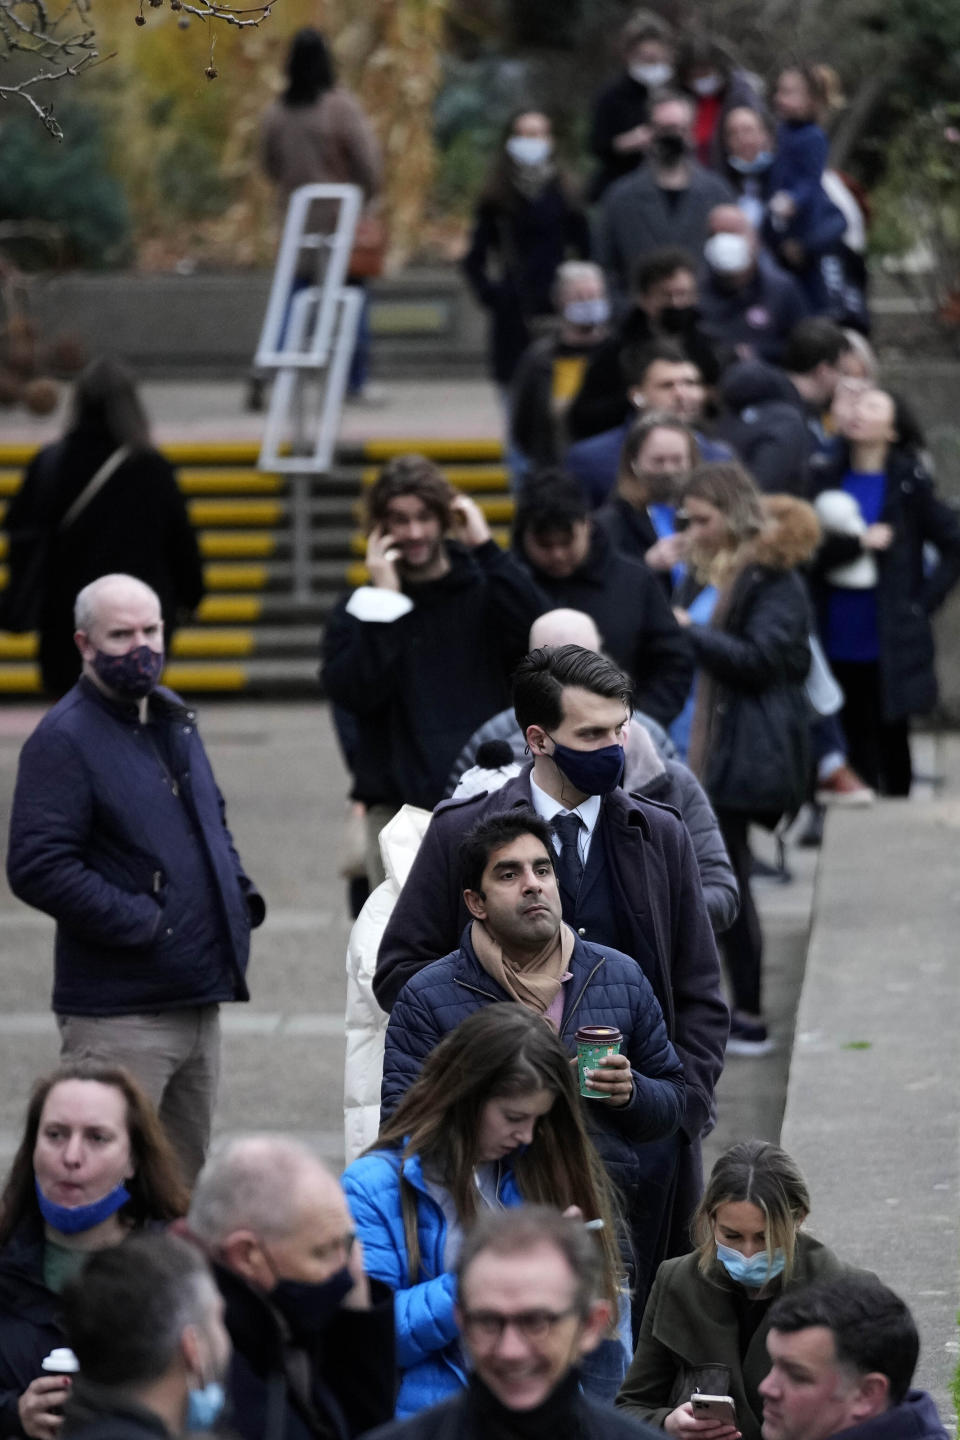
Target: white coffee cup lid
(62,1361)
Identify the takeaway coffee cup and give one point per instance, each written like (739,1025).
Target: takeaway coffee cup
(60,1362)
(594,1044)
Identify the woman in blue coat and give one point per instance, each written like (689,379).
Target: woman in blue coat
(803,225)
(494,1120)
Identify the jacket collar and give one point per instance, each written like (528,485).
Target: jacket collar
(620,809)
(93,1405)
(256,1327)
(163,704)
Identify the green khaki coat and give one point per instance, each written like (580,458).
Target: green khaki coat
(689,1340)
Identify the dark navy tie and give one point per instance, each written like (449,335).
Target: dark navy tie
(569,864)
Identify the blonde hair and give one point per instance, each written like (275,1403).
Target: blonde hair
(729,488)
(762,1175)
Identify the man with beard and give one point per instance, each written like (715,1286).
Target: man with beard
(422,654)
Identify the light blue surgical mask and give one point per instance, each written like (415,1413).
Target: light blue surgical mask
(756,1271)
(751,167)
(529,149)
(587,312)
(205,1406)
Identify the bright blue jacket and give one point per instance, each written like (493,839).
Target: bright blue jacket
(428,1341)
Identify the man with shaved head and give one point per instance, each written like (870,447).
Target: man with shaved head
(119,832)
(313,1337)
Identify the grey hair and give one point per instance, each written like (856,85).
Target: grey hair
(85,605)
(571,271)
(250,1183)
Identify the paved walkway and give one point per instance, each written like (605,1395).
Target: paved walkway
(207,410)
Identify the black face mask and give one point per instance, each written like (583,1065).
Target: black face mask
(308,1309)
(677,318)
(669,147)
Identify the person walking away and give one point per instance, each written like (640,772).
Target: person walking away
(104,500)
(317,134)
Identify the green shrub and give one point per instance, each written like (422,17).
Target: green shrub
(63,185)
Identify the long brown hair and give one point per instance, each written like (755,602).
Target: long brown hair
(502,1049)
(156,1189)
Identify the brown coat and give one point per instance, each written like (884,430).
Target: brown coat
(689,1339)
(329,142)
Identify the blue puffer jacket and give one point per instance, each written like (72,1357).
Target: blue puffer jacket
(119,832)
(608,988)
(428,1341)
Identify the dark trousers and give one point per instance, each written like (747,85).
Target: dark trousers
(879,750)
(742,944)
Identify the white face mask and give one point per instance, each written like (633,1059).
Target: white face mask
(707,84)
(529,149)
(653,76)
(728,254)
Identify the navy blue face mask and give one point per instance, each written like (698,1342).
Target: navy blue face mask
(307,1308)
(74,1219)
(593,772)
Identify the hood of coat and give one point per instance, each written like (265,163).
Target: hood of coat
(752,382)
(790,536)
(400,840)
(644,763)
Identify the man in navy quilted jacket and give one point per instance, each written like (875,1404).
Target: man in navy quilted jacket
(517,947)
(119,832)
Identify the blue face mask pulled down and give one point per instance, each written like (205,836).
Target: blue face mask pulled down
(752,1273)
(751,167)
(204,1407)
(593,772)
(74,1219)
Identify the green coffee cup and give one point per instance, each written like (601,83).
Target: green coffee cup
(594,1044)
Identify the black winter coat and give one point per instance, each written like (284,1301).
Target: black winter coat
(119,832)
(601,403)
(420,685)
(637,626)
(514,254)
(906,596)
(93,1413)
(758,315)
(30,1323)
(137,524)
(277,1390)
(474,1414)
(758,658)
(765,421)
(631,532)
(622,106)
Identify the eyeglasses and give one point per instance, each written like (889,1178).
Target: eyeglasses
(487,1326)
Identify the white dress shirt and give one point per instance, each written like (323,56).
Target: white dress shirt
(588,811)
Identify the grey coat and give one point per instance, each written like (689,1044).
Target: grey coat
(652,772)
(635,219)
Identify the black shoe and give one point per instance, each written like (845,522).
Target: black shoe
(811,836)
(775,874)
(748,1037)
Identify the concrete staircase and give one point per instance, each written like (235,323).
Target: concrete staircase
(250,636)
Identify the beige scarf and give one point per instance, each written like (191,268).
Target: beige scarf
(535,984)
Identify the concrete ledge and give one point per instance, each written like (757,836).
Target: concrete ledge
(873,1101)
(424,321)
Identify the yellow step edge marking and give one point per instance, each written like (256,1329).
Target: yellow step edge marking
(18,647)
(235,577)
(211,644)
(180,676)
(237,545)
(236,608)
(19,679)
(235,512)
(9,484)
(464,477)
(434,449)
